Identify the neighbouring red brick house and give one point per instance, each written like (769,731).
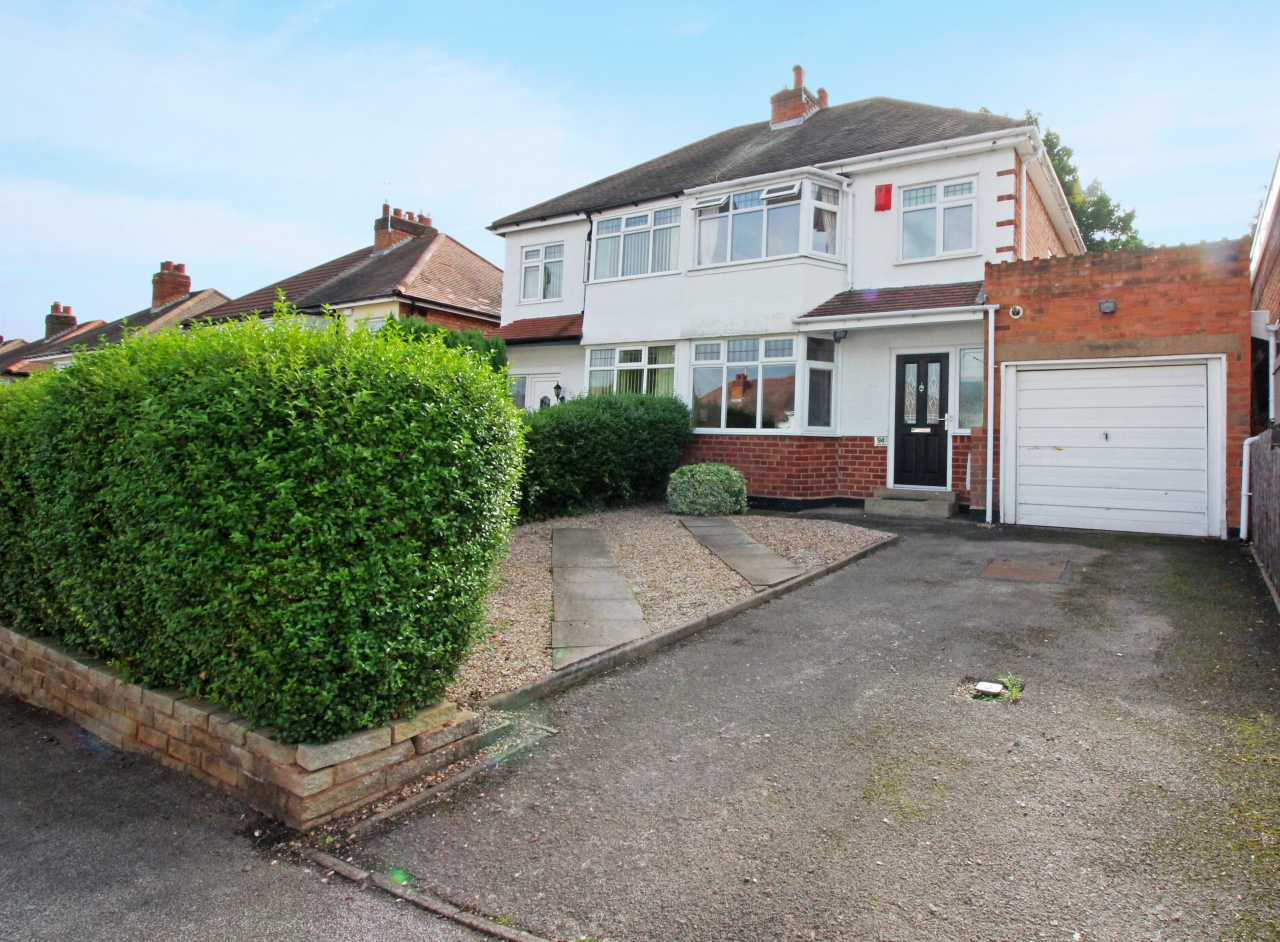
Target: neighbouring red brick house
(411,269)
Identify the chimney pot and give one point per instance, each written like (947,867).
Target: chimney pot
(67,310)
(427,222)
(799,74)
(386,210)
(397,213)
(56,309)
(166,266)
(180,268)
(822,97)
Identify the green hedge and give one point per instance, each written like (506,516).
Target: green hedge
(707,490)
(297,523)
(602,451)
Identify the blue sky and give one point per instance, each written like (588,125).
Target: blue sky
(252,140)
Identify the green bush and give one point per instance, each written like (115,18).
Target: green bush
(707,490)
(492,349)
(297,523)
(602,451)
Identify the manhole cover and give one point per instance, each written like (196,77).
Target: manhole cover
(1028,569)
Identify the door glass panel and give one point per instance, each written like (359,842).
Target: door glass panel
(740,406)
(933,393)
(707,387)
(778,409)
(909,394)
(630,381)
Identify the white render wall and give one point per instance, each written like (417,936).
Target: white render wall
(559,362)
(574,236)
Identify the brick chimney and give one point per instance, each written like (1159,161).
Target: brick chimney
(170,283)
(792,106)
(58,319)
(394,227)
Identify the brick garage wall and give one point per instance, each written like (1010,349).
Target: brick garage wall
(301,785)
(1042,238)
(1266,285)
(1183,300)
(451,320)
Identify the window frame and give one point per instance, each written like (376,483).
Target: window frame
(799,422)
(643,365)
(540,263)
(803,187)
(940,204)
(623,231)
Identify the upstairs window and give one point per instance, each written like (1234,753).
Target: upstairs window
(543,273)
(939,220)
(761,223)
(638,244)
(826,204)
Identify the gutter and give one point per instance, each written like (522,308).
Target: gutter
(964,145)
(889,318)
(767,178)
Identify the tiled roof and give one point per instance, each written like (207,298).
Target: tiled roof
(433,269)
(562,329)
(870,126)
(189,305)
(16,362)
(914,298)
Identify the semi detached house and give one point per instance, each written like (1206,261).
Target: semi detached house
(813,286)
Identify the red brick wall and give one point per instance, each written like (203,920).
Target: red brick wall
(1266,286)
(1171,301)
(1042,238)
(452,320)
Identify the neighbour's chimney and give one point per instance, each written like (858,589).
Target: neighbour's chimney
(792,106)
(169,284)
(58,319)
(395,226)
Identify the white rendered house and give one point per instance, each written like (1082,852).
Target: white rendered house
(810,285)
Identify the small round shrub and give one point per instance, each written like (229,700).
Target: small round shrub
(297,523)
(707,490)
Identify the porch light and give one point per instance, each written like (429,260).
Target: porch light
(1107,307)
(558,390)
(838,335)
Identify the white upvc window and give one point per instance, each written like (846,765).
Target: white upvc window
(820,361)
(637,244)
(767,222)
(649,370)
(826,215)
(542,273)
(939,219)
(519,388)
(745,383)
(971,362)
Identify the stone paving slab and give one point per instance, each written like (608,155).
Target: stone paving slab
(595,608)
(758,564)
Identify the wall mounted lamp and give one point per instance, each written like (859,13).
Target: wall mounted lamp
(838,335)
(1107,307)
(558,390)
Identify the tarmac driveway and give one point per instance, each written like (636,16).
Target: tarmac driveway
(808,771)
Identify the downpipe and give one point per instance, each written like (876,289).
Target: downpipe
(1245,493)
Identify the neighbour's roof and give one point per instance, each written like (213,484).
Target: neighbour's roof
(562,329)
(840,132)
(191,305)
(434,269)
(15,361)
(914,298)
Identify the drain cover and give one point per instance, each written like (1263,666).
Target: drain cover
(1028,569)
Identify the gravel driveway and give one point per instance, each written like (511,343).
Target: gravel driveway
(807,770)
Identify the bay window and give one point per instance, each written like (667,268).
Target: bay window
(638,244)
(766,223)
(753,387)
(648,370)
(543,274)
(939,220)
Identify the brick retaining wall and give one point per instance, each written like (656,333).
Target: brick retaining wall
(302,785)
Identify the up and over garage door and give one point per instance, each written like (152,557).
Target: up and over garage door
(1114,448)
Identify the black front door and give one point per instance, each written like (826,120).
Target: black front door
(920,433)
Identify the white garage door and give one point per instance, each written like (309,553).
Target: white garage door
(1114,448)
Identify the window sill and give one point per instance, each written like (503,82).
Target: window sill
(775,260)
(651,274)
(541,301)
(937,258)
(767,432)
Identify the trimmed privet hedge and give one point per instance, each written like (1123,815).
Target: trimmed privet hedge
(297,523)
(602,451)
(707,490)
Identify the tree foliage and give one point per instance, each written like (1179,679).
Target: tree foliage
(491,349)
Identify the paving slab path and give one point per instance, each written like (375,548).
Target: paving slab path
(755,562)
(595,608)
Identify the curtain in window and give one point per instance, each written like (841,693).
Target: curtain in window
(608,255)
(662,382)
(713,240)
(551,278)
(824,231)
(630,381)
(635,253)
(666,243)
(530,291)
(784,230)
(601,383)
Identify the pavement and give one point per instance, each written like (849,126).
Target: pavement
(99,845)
(754,561)
(812,770)
(594,606)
